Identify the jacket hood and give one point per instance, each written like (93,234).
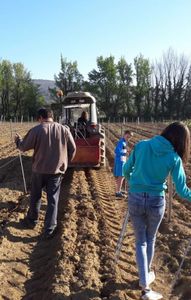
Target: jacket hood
(160,145)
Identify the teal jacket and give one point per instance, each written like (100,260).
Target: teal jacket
(150,163)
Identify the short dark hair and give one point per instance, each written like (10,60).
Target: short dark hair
(178,134)
(45,113)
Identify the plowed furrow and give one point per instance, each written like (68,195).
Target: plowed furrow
(113,211)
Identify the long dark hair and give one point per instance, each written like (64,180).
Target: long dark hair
(178,135)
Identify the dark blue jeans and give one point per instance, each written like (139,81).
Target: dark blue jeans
(52,183)
(146,213)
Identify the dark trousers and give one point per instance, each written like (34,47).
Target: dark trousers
(52,183)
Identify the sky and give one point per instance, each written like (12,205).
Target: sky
(37,32)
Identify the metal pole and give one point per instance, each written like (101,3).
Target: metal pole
(23,174)
(170,195)
(21,163)
(121,237)
(181,264)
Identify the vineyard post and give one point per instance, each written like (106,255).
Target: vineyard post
(170,195)
(11,130)
(121,129)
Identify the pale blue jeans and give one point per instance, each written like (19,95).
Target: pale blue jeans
(146,213)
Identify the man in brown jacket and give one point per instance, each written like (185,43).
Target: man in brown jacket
(53,147)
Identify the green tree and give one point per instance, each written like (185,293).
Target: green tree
(33,100)
(6,85)
(104,83)
(143,85)
(69,79)
(125,78)
(18,95)
(22,81)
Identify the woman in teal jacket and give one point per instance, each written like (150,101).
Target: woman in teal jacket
(146,170)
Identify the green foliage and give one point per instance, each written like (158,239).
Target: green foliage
(143,85)
(18,95)
(111,85)
(158,92)
(69,79)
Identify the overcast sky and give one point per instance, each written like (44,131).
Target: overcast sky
(37,32)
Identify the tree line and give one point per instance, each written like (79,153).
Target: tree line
(144,90)
(19,96)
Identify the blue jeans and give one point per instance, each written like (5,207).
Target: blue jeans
(52,183)
(146,213)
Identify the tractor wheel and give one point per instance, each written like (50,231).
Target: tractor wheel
(103,152)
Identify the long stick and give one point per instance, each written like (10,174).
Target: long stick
(23,174)
(170,196)
(21,162)
(181,264)
(121,237)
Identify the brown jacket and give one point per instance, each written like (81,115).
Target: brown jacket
(53,147)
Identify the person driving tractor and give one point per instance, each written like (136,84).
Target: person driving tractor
(83,120)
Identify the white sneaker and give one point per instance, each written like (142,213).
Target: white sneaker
(150,280)
(151,295)
(151,277)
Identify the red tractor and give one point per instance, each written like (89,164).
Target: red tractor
(80,114)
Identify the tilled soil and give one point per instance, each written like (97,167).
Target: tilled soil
(78,263)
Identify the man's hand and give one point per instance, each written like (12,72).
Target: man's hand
(17,138)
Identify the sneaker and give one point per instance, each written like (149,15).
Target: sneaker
(124,193)
(27,223)
(151,277)
(47,235)
(119,195)
(151,295)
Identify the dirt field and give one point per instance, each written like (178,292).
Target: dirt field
(78,263)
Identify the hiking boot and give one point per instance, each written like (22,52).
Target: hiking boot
(27,223)
(151,295)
